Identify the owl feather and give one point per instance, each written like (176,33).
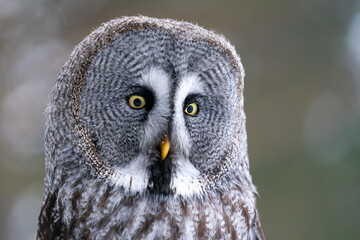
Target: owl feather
(145,137)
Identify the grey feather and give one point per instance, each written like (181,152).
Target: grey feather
(104,176)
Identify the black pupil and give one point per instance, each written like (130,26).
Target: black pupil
(190,109)
(137,102)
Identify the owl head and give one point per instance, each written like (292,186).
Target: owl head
(152,107)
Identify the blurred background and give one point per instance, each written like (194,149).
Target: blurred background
(302,99)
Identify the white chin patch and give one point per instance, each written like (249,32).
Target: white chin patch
(134,177)
(186,179)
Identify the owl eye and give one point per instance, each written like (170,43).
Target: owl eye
(191,109)
(136,102)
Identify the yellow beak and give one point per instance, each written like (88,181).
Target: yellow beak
(165,147)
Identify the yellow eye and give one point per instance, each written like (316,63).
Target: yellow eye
(136,102)
(191,109)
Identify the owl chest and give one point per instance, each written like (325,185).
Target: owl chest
(112,216)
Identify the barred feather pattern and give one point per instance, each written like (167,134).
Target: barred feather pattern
(108,214)
(104,178)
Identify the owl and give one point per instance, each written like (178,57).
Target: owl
(145,137)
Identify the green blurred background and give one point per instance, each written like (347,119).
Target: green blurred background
(302,99)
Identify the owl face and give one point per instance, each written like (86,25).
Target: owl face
(145,85)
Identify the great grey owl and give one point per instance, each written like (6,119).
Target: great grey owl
(145,138)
